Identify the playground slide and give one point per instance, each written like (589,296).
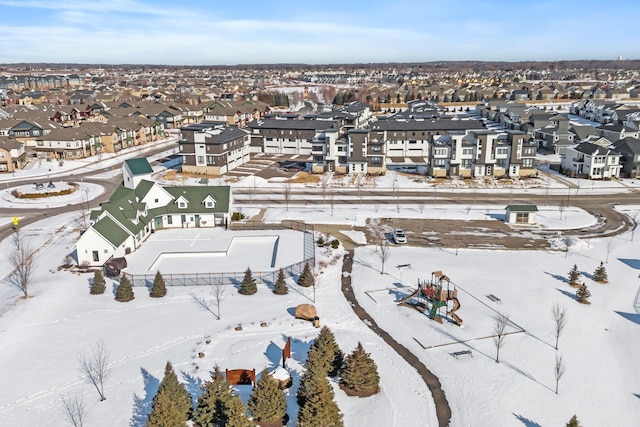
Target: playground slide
(413,294)
(454,316)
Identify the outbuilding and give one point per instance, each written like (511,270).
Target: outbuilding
(521,214)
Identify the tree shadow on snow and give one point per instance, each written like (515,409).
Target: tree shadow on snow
(193,386)
(633,263)
(558,277)
(526,374)
(567,293)
(637,395)
(526,421)
(142,404)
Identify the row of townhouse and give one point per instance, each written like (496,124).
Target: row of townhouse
(607,111)
(91,139)
(602,159)
(448,147)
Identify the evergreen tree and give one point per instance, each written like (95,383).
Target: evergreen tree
(248,286)
(219,406)
(574,275)
(99,285)
(267,402)
(326,353)
(573,422)
(306,278)
(359,376)
(281,286)
(165,412)
(600,275)
(234,414)
(209,406)
(319,408)
(583,294)
(174,390)
(124,291)
(159,289)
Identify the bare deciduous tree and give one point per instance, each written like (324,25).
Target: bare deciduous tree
(634,217)
(608,246)
(383,253)
(95,367)
(499,329)
(324,183)
(75,410)
(21,262)
(559,313)
(286,193)
(559,369)
(218,295)
(331,201)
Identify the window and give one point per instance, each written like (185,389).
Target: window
(440,152)
(530,151)
(502,151)
(466,163)
(527,163)
(439,163)
(169,219)
(376,149)
(467,151)
(182,205)
(200,160)
(96,256)
(522,217)
(208,204)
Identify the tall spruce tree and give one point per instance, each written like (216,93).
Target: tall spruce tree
(124,291)
(309,380)
(280,287)
(165,412)
(174,390)
(248,285)
(99,285)
(319,408)
(600,275)
(583,294)
(267,402)
(574,275)
(218,405)
(306,278)
(234,414)
(359,376)
(159,288)
(329,356)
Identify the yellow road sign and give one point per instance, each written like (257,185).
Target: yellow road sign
(15,220)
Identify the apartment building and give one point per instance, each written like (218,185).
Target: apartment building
(213,148)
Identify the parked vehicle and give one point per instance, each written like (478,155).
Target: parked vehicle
(399,237)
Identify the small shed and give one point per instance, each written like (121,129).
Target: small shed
(521,214)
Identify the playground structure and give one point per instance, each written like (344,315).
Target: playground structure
(433,295)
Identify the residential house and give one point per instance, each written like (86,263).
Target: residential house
(616,131)
(65,144)
(592,161)
(141,206)
(12,155)
(283,136)
(629,148)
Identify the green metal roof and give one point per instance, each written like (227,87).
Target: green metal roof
(139,166)
(196,196)
(111,231)
(522,208)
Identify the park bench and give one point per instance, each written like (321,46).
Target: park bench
(457,354)
(494,298)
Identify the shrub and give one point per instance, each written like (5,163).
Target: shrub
(237,216)
(320,242)
(335,243)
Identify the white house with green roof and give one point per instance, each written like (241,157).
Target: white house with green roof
(141,206)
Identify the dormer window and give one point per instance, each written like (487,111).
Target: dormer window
(208,204)
(182,205)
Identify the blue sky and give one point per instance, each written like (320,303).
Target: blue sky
(199,32)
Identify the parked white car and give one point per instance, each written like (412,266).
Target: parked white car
(399,237)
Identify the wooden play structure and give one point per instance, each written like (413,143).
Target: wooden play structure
(432,296)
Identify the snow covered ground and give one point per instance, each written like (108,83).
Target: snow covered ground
(41,338)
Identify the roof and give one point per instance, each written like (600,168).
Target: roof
(196,195)
(139,166)
(111,231)
(522,208)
